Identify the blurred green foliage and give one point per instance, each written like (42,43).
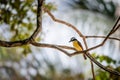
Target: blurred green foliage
(101,6)
(103,75)
(102,58)
(16,14)
(21,18)
(20,15)
(50,6)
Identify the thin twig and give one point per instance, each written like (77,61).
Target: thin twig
(118,26)
(51,46)
(112,30)
(44,44)
(113,38)
(92,67)
(63,22)
(110,33)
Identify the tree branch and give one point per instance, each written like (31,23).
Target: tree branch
(118,26)
(113,38)
(92,66)
(39,19)
(101,66)
(63,22)
(112,30)
(33,36)
(58,47)
(110,33)
(51,45)
(13,44)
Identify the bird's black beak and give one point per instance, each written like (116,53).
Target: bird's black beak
(72,39)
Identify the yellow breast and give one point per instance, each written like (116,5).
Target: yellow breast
(77,46)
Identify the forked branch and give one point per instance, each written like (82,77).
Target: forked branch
(84,39)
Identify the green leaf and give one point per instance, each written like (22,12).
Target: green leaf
(102,58)
(102,75)
(50,6)
(26,50)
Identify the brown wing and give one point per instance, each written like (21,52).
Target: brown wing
(80,45)
(82,49)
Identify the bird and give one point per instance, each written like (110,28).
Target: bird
(77,45)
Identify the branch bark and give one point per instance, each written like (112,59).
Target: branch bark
(58,47)
(112,38)
(39,19)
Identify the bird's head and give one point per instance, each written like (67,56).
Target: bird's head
(72,39)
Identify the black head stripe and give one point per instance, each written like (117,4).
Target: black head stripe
(73,39)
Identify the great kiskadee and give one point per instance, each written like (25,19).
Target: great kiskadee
(77,45)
